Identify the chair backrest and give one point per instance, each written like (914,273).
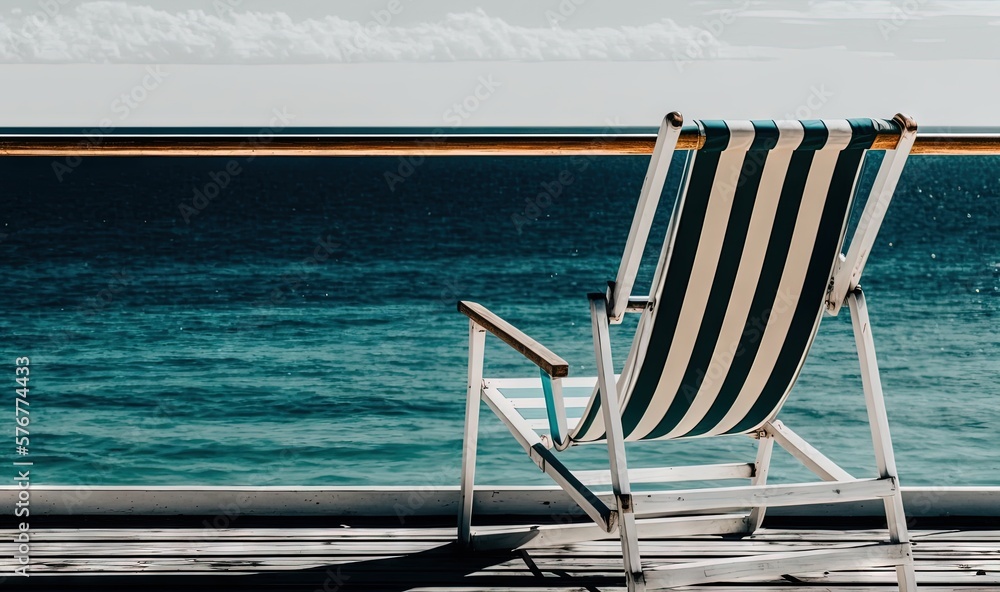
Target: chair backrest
(752,248)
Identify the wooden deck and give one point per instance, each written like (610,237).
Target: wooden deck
(406,558)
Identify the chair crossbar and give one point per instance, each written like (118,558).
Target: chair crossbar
(777,564)
(813,459)
(549,535)
(543,425)
(673,474)
(539,403)
(826,492)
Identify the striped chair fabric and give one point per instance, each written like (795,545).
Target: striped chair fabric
(741,284)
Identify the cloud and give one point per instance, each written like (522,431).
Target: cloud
(119,32)
(878,9)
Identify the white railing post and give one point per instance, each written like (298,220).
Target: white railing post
(477,345)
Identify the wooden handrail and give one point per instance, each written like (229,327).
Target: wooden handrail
(417,144)
(540,355)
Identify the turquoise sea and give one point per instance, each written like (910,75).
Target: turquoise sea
(300,326)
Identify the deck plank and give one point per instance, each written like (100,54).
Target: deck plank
(400,558)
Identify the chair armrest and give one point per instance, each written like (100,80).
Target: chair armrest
(540,355)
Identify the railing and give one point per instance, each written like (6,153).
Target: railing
(379,501)
(292,143)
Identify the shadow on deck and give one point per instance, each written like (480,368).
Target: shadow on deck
(99,557)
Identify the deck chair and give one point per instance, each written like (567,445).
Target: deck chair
(751,261)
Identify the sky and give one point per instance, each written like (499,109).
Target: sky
(451,64)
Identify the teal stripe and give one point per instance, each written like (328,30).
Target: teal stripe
(863,134)
(588,421)
(767,290)
(766,134)
(700,362)
(550,406)
(815,136)
(810,306)
(716,135)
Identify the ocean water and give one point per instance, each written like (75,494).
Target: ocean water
(300,326)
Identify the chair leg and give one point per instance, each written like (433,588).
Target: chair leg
(627,529)
(877,417)
(477,345)
(765,443)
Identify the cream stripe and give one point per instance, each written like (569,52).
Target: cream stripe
(787,298)
(745,284)
(790,134)
(741,134)
(696,298)
(593,426)
(840,134)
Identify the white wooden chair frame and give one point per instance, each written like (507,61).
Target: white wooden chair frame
(671,513)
